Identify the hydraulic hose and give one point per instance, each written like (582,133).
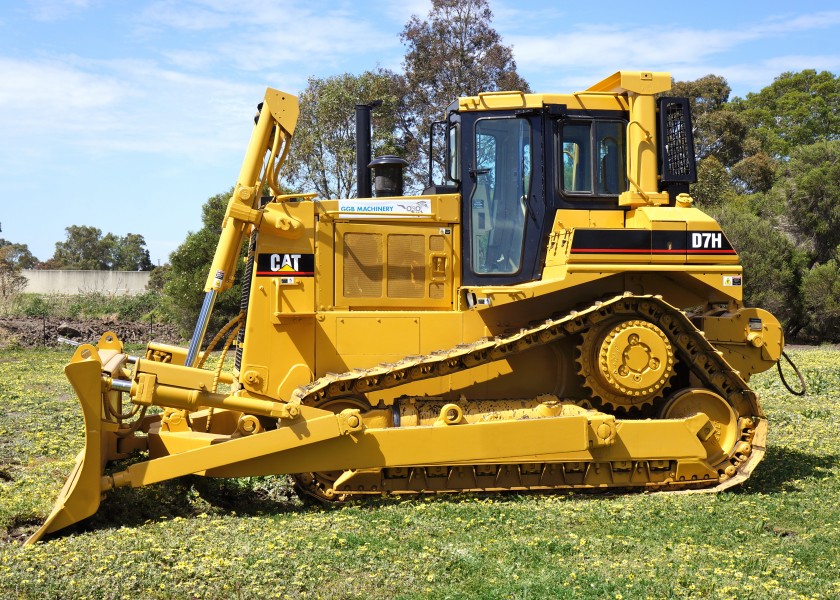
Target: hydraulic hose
(804,389)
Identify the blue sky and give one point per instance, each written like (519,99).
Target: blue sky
(127,116)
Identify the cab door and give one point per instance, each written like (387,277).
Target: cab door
(503,190)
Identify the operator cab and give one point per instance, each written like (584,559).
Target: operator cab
(516,167)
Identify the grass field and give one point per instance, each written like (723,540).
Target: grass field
(775,537)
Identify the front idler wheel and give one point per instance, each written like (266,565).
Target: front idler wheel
(689,402)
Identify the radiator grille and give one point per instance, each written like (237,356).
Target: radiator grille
(406,266)
(363,268)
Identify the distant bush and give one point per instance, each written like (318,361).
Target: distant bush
(92,305)
(33,305)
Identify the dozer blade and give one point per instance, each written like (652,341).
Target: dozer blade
(80,496)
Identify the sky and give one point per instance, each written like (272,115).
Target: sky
(128,115)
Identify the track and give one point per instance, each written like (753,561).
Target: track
(689,344)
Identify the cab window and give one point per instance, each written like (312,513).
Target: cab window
(593,161)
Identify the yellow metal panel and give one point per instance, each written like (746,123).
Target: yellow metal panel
(566,218)
(285,243)
(547,439)
(695,222)
(518,100)
(345,342)
(727,283)
(279,331)
(605,219)
(468,443)
(380,336)
(571,219)
(643,216)
(293,296)
(325,264)
(393,265)
(639,82)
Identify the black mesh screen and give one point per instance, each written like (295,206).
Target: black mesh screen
(676,143)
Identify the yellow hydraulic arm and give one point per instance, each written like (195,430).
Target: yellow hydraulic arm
(272,135)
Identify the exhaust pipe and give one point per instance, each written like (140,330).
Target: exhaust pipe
(363,148)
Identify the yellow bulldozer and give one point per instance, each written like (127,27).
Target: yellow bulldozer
(552,313)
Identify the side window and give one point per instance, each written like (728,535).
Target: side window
(498,202)
(612,173)
(454,142)
(593,158)
(577,160)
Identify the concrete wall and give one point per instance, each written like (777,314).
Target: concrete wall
(85,282)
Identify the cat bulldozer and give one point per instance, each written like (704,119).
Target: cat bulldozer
(551,313)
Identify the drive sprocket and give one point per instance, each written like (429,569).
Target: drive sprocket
(627,364)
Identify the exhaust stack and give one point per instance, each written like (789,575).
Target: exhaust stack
(363,148)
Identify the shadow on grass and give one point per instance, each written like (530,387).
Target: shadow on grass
(783,469)
(188,497)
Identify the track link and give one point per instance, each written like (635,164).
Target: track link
(705,362)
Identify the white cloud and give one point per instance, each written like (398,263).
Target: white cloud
(754,76)
(132,105)
(38,94)
(403,11)
(587,51)
(254,35)
(792,22)
(607,47)
(190,60)
(56,10)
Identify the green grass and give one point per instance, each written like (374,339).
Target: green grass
(777,536)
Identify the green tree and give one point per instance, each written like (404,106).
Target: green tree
(756,171)
(323,156)
(811,184)
(454,52)
(130,254)
(18,254)
(821,299)
(189,265)
(12,282)
(714,184)
(717,131)
(771,262)
(157,278)
(724,133)
(797,109)
(84,249)
(706,95)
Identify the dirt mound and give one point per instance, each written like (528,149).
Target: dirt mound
(31,332)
